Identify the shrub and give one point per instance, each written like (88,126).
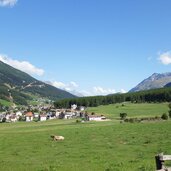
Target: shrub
(169,105)
(165,116)
(132,120)
(126,120)
(22,118)
(157,118)
(169,113)
(3,120)
(123,116)
(78,121)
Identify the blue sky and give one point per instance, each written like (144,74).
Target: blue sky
(89,46)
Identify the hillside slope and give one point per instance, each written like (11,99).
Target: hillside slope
(19,87)
(154,81)
(168,84)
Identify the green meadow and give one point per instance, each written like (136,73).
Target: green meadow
(132,109)
(89,146)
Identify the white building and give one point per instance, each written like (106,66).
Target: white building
(36,115)
(82,108)
(69,115)
(18,113)
(13,118)
(96,118)
(74,107)
(58,112)
(29,116)
(42,117)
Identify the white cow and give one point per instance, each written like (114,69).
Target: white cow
(57,138)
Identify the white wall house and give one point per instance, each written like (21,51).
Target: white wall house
(68,115)
(96,118)
(74,107)
(36,115)
(13,118)
(18,113)
(2,117)
(42,117)
(82,108)
(7,118)
(57,114)
(29,116)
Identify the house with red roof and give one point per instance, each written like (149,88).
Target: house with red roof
(29,116)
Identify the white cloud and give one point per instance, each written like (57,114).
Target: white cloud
(68,87)
(123,91)
(22,65)
(72,87)
(95,91)
(74,84)
(165,58)
(85,93)
(101,91)
(10,3)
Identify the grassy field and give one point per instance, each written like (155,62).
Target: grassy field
(93,146)
(133,110)
(90,146)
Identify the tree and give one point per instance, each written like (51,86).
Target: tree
(1,107)
(169,105)
(123,116)
(165,116)
(4,120)
(169,113)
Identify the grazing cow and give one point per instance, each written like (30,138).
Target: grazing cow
(57,137)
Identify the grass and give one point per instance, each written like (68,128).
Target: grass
(91,146)
(5,103)
(133,110)
(104,146)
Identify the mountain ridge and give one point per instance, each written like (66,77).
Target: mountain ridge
(156,80)
(21,86)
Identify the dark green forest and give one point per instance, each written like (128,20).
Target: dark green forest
(155,95)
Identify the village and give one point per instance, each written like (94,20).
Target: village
(48,112)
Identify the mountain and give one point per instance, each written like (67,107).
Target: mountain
(168,84)
(20,87)
(74,92)
(154,81)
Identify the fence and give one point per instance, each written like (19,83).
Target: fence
(160,159)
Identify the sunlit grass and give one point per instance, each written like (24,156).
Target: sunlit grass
(87,146)
(132,110)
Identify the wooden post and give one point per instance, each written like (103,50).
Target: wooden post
(159,163)
(160,159)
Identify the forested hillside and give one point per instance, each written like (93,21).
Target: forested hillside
(18,87)
(156,95)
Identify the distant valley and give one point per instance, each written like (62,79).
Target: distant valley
(19,88)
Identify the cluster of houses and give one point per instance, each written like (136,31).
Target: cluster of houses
(48,113)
